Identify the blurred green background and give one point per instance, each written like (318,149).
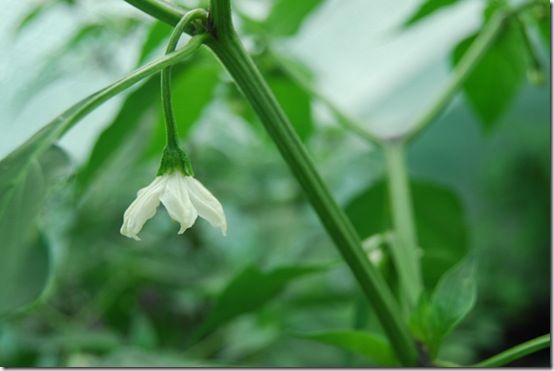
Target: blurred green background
(266,294)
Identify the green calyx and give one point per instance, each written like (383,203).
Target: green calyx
(174,159)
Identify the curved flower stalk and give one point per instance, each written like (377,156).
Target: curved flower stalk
(184,198)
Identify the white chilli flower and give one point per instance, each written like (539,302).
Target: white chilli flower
(184,198)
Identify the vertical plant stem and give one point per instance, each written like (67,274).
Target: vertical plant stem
(228,48)
(240,66)
(405,246)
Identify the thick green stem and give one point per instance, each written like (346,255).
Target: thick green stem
(231,53)
(517,352)
(405,246)
(220,18)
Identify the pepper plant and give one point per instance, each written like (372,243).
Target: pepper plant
(413,317)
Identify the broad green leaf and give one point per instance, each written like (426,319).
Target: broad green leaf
(24,267)
(429,7)
(454,295)
(287,16)
(439,217)
(136,105)
(374,348)
(248,291)
(192,90)
(497,78)
(453,298)
(296,103)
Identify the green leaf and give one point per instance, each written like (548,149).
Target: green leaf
(426,9)
(296,103)
(454,296)
(452,300)
(248,291)
(287,16)
(24,267)
(374,348)
(192,89)
(439,217)
(497,78)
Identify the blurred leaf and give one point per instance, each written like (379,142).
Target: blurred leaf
(439,217)
(85,33)
(158,32)
(34,14)
(192,89)
(248,291)
(136,105)
(452,300)
(429,7)
(373,347)
(296,103)
(454,295)
(24,267)
(143,332)
(497,78)
(287,16)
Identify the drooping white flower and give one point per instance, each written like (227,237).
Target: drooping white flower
(184,198)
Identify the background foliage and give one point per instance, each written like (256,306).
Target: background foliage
(274,292)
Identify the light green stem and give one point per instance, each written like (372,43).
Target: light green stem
(169,116)
(405,246)
(517,352)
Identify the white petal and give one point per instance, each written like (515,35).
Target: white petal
(177,202)
(206,204)
(142,208)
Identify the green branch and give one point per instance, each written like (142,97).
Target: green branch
(231,53)
(517,352)
(162,10)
